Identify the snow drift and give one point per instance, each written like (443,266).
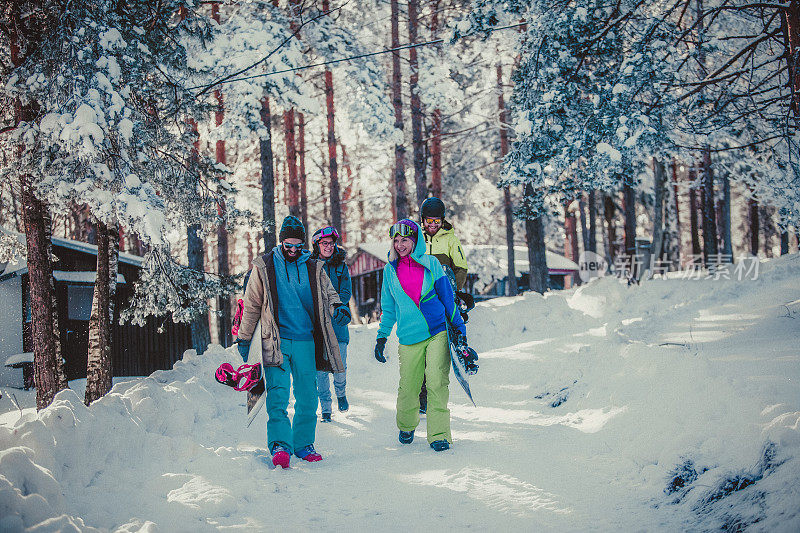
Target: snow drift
(668,406)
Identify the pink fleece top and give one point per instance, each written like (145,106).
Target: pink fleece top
(410,273)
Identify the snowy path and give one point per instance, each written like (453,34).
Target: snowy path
(588,400)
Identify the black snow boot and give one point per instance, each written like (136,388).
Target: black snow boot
(406,437)
(342,402)
(440,445)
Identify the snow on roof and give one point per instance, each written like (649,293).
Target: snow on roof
(81,276)
(17,358)
(21,266)
(378,249)
(488,260)
(92,249)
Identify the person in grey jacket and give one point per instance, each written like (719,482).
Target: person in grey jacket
(326,248)
(292,296)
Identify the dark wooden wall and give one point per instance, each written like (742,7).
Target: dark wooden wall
(136,351)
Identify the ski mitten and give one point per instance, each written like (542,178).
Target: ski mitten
(244,349)
(380,345)
(341,317)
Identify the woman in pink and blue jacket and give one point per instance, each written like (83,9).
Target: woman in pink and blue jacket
(417,296)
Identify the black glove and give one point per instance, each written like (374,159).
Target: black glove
(380,345)
(341,317)
(459,339)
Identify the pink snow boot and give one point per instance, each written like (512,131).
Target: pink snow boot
(307,453)
(280,457)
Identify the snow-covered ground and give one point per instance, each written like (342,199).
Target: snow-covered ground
(669,406)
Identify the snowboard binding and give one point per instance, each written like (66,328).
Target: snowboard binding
(469,358)
(251,374)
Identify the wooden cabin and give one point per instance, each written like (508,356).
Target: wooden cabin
(136,351)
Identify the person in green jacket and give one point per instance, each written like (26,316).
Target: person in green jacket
(442,243)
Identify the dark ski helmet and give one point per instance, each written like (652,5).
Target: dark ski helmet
(432,208)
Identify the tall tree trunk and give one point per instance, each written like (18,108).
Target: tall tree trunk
(697,251)
(44,326)
(791,26)
(791,13)
(727,240)
(348,194)
(710,249)
(48,234)
(582,219)
(671,247)
(333,165)
(570,241)
(17,218)
(752,205)
(629,199)
(200,328)
(267,180)
(592,243)
(659,175)
(99,369)
(301,157)
(416,106)
(609,210)
(223,267)
(436,153)
(508,208)
(48,365)
(767,229)
(436,122)
(400,196)
(291,163)
(537,259)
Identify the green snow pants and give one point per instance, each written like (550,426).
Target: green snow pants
(431,359)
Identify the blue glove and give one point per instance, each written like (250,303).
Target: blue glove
(341,317)
(380,345)
(244,349)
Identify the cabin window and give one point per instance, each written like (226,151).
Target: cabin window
(79,301)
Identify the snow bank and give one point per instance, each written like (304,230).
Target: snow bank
(668,406)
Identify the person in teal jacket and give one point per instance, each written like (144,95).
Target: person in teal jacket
(416,296)
(325,243)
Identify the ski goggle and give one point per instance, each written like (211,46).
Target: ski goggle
(329,231)
(404,230)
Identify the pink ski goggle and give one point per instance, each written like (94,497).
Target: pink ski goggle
(328,231)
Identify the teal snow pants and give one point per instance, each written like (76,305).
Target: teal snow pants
(299,365)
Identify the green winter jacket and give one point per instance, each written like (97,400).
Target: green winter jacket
(446,247)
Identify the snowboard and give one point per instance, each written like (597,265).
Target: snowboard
(255,396)
(458,350)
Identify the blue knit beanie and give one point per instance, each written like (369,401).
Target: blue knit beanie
(292,228)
